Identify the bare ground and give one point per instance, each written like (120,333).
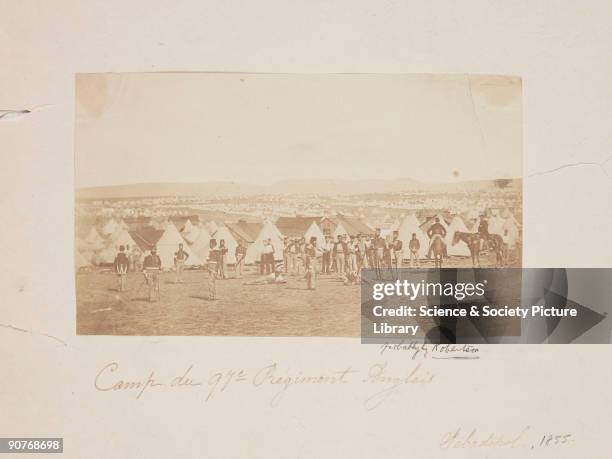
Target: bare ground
(333,309)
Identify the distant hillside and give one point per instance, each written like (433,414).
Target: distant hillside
(138,190)
(322,186)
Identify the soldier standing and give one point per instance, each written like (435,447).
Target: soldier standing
(211,267)
(311,253)
(180,257)
(151,268)
(398,251)
(240,254)
(121,267)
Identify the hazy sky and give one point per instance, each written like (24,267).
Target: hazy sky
(258,128)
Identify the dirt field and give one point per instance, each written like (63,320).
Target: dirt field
(184,309)
(333,309)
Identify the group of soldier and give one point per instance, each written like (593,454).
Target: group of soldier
(151,266)
(344,256)
(132,257)
(347,255)
(351,253)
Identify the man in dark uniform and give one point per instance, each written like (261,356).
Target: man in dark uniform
(152,260)
(121,267)
(369,250)
(311,252)
(180,257)
(340,253)
(222,259)
(436,231)
(483,226)
(414,245)
(151,268)
(327,251)
(483,229)
(380,247)
(240,254)
(398,251)
(212,269)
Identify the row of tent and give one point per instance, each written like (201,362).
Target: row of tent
(101,249)
(96,249)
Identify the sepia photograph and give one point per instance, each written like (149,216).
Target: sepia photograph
(228,204)
(293,223)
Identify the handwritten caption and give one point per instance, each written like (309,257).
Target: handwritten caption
(380,380)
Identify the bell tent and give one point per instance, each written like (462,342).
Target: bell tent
(168,245)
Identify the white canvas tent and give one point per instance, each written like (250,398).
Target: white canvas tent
(201,245)
(268,231)
(168,245)
(94,239)
(460,249)
(496,225)
(212,227)
(160,223)
(314,231)
(191,235)
(275,229)
(472,214)
(107,255)
(513,230)
(339,231)
(188,227)
(89,256)
(410,225)
(509,215)
(122,237)
(109,227)
(225,234)
(384,232)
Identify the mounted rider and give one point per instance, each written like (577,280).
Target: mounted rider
(436,231)
(483,228)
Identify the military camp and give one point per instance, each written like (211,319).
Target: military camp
(148,264)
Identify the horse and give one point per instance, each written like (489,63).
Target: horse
(437,247)
(472,240)
(496,243)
